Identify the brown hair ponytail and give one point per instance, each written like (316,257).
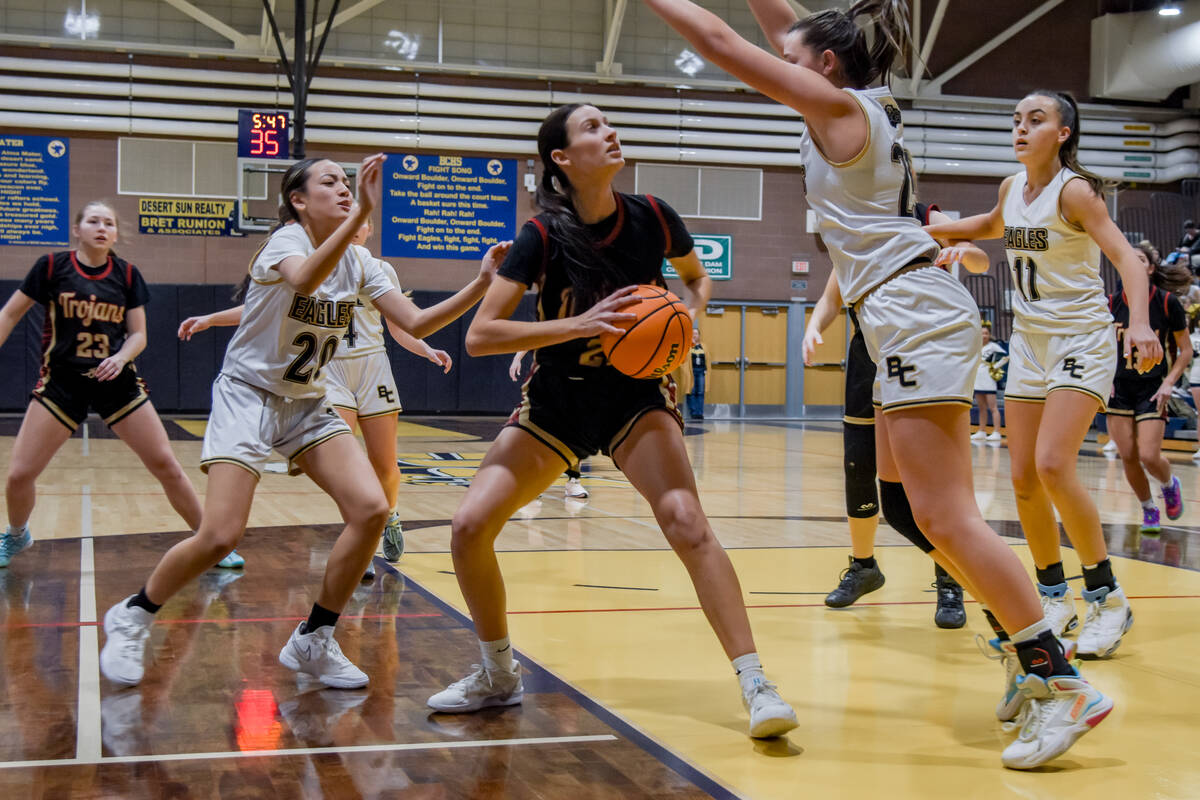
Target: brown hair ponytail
(862,62)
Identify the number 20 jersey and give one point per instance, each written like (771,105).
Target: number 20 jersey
(1055,265)
(286,338)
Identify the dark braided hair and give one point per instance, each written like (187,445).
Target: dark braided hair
(862,63)
(294,180)
(588,268)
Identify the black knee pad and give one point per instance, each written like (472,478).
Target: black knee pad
(898,514)
(858,461)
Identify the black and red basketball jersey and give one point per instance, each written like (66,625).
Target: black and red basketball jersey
(632,242)
(85,307)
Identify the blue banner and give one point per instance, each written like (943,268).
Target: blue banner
(35,190)
(447,206)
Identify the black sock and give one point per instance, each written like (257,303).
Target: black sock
(141,601)
(866,563)
(1099,576)
(997,628)
(939,573)
(319,618)
(1052,575)
(1043,656)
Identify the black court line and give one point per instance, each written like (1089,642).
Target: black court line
(631,588)
(547,681)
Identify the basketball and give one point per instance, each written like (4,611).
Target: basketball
(656,341)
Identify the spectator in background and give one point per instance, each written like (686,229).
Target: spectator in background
(991,369)
(1189,244)
(699,358)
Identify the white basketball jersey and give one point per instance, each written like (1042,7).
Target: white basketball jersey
(864,205)
(285,338)
(365,335)
(1055,266)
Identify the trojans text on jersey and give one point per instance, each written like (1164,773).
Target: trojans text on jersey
(87,310)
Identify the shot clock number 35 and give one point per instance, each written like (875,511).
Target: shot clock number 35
(262,134)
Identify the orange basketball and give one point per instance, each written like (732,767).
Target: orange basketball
(656,341)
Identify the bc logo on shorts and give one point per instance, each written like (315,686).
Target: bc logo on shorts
(898,369)
(1072,367)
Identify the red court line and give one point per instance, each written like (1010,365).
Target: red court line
(536,611)
(202,621)
(807,605)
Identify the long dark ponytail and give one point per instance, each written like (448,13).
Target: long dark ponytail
(862,62)
(1068,151)
(585,264)
(294,180)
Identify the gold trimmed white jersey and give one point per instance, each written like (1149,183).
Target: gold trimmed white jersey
(1055,265)
(864,206)
(365,334)
(286,338)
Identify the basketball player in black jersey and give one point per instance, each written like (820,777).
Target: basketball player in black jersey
(95,327)
(1137,409)
(863,575)
(588,243)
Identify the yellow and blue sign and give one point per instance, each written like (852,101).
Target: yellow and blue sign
(35,190)
(715,251)
(447,206)
(186,216)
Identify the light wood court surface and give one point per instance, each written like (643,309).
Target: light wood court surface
(627,692)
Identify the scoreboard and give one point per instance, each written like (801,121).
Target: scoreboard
(263,134)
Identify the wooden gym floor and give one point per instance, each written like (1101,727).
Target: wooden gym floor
(627,692)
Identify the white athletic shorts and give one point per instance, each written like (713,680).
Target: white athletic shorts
(362,384)
(1194,372)
(922,331)
(1039,363)
(247,423)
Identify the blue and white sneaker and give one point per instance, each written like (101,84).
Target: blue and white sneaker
(13,543)
(1058,711)
(1058,606)
(232,561)
(1108,619)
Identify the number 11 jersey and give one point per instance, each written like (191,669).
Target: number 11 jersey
(286,338)
(1055,265)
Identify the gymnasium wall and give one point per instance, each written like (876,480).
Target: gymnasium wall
(180,374)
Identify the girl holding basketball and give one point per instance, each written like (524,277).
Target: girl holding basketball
(920,325)
(584,252)
(1063,354)
(95,327)
(305,282)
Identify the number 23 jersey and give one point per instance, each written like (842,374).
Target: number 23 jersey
(85,307)
(1055,265)
(286,338)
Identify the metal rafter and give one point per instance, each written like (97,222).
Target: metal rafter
(240,40)
(1000,38)
(341,18)
(264,34)
(612,36)
(927,47)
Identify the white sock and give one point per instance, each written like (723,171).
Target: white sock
(497,655)
(1156,483)
(19,531)
(1032,632)
(749,670)
(1148,503)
